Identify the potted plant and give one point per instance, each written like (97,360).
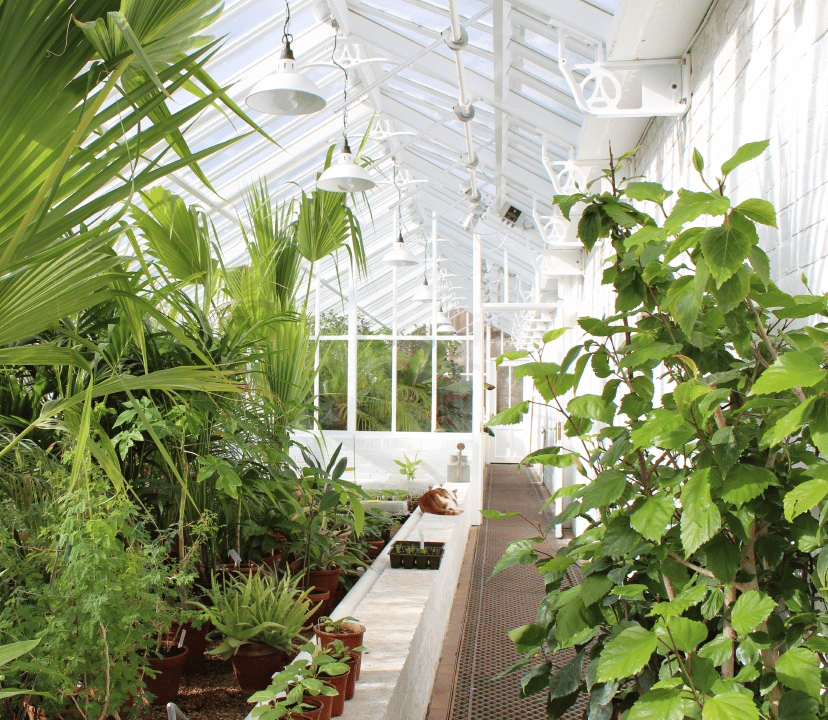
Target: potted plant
(347,629)
(258,619)
(166,665)
(350,657)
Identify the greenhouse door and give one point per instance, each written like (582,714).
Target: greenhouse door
(509,445)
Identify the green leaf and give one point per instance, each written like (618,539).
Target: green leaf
(789,424)
(589,227)
(748,151)
(798,669)
(718,650)
(567,679)
(15,650)
(819,425)
(497,515)
(592,407)
(683,303)
(658,704)
(687,598)
(687,240)
(725,249)
(551,335)
(796,705)
(511,416)
(691,205)
(803,497)
(730,706)
(743,483)
(760,262)
(626,654)
(686,634)
(652,517)
(594,587)
(723,558)
(550,456)
(732,291)
(647,191)
(792,369)
(659,423)
(527,638)
(700,519)
(648,233)
(518,552)
(604,490)
(750,609)
(513,355)
(648,352)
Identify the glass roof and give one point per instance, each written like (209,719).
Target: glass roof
(404,83)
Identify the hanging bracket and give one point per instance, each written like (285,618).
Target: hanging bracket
(635,88)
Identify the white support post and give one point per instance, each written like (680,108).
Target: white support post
(506,276)
(477,377)
(316,330)
(394,331)
(352,349)
(434,389)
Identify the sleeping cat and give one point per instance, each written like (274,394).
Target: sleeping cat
(439,501)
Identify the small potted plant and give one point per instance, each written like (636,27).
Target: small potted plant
(408,467)
(349,630)
(257,618)
(351,658)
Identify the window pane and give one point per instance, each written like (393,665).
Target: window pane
(374,385)
(414,386)
(454,388)
(333,384)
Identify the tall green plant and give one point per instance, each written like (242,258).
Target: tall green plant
(704,559)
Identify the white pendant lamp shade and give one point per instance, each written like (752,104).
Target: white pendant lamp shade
(399,256)
(344,175)
(423,293)
(286,92)
(443,323)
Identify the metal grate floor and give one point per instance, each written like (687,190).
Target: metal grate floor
(495,606)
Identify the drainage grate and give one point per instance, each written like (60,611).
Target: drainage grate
(495,606)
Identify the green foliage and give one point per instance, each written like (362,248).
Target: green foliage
(704,558)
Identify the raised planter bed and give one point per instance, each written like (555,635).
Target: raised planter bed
(407,555)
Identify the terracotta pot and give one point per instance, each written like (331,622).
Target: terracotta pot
(318,599)
(234,570)
(340,684)
(254,666)
(164,686)
(273,561)
(375,548)
(353,663)
(350,639)
(327,703)
(325,579)
(314,713)
(195,640)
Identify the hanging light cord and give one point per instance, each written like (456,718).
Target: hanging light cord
(399,204)
(345,93)
(287,38)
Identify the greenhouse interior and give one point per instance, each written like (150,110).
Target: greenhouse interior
(413,359)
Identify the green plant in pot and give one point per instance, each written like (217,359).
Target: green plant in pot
(258,619)
(323,500)
(305,678)
(408,467)
(704,559)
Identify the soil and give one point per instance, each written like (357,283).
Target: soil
(211,694)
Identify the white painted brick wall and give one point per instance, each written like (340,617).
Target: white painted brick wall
(758,72)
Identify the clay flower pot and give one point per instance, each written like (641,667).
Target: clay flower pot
(350,639)
(353,663)
(340,684)
(195,640)
(272,561)
(254,666)
(327,702)
(325,579)
(164,686)
(314,713)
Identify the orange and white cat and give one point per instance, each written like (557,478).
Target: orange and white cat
(439,501)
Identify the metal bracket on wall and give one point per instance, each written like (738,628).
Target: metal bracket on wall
(635,88)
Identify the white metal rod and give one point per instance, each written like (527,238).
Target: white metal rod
(477,379)
(505,278)
(522,305)
(352,349)
(394,351)
(434,388)
(317,329)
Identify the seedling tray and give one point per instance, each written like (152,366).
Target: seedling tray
(402,558)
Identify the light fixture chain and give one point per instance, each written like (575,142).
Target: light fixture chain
(287,38)
(345,92)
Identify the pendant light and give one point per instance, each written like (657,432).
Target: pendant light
(423,294)
(344,175)
(398,256)
(286,92)
(443,323)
